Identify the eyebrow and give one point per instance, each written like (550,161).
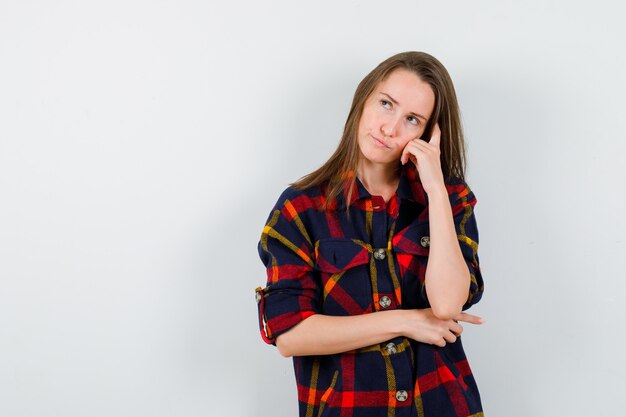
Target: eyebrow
(393,100)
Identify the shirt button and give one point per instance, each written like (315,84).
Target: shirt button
(384,301)
(425,241)
(379,254)
(391,348)
(257,296)
(402,395)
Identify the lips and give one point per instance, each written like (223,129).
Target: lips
(379,142)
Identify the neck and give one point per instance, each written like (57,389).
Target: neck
(379,179)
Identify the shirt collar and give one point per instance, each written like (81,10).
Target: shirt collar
(409,188)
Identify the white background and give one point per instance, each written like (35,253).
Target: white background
(143,144)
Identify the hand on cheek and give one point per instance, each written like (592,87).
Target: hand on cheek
(426,156)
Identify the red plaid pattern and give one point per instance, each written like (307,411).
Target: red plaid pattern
(322,262)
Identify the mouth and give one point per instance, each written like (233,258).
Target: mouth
(379,142)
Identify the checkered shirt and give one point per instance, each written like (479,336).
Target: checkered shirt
(319,261)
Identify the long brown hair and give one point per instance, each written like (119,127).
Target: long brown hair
(337,174)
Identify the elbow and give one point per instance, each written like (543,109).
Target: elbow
(447,305)
(294,342)
(282,344)
(446,312)
(448,309)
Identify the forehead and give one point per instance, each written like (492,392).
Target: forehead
(408,90)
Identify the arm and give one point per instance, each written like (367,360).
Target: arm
(447,276)
(323,335)
(453,281)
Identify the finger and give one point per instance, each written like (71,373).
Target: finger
(449,337)
(409,152)
(425,147)
(435,136)
(404,156)
(419,143)
(457,329)
(470,318)
(418,146)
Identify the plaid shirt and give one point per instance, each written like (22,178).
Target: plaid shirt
(322,262)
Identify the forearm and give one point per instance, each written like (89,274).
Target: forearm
(447,278)
(323,335)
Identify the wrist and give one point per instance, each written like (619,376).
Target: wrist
(399,322)
(437,190)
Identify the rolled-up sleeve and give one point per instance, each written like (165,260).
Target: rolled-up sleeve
(463,201)
(291,292)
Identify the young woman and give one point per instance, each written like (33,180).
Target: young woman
(372,259)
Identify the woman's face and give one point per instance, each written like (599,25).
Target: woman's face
(395,113)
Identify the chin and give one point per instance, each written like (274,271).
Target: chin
(375,158)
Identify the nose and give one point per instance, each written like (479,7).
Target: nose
(389,127)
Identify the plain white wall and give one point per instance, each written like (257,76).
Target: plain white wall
(143,143)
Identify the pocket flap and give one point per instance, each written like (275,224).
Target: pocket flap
(336,255)
(414,240)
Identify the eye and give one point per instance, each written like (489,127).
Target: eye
(385,104)
(413,120)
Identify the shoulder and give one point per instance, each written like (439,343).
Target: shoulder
(291,220)
(459,191)
(299,199)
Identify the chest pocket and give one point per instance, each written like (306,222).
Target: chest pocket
(344,274)
(412,246)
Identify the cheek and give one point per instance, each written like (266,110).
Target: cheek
(405,142)
(368,118)
(399,149)
(402,144)
(413,133)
